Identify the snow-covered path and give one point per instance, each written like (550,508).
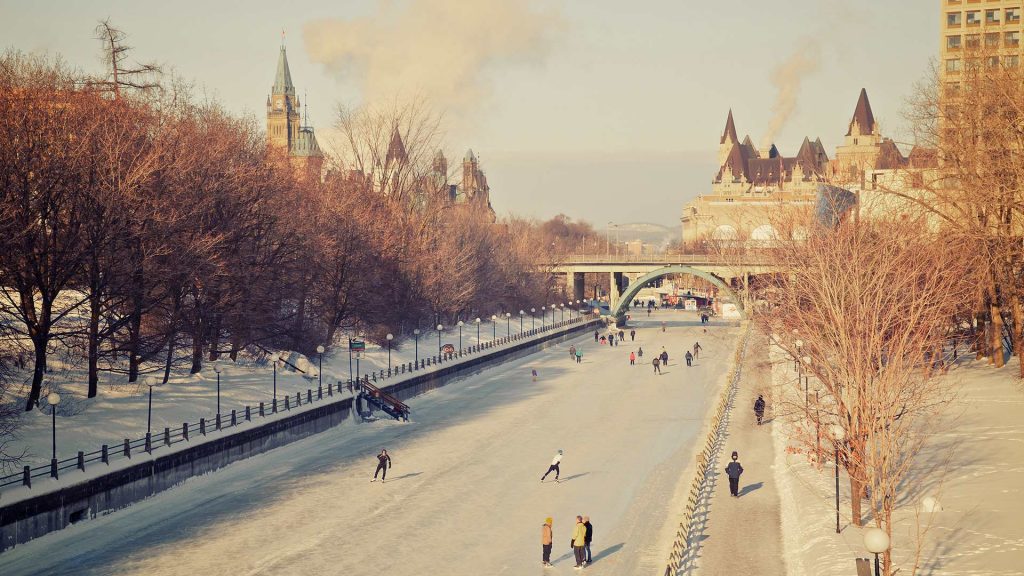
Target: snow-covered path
(463,496)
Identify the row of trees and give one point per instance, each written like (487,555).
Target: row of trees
(140,228)
(872,305)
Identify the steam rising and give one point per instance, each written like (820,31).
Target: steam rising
(787,77)
(442,50)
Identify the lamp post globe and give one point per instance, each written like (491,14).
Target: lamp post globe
(53,398)
(440,327)
(877,542)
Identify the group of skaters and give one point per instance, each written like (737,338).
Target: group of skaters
(662,359)
(582,536)
(613,338)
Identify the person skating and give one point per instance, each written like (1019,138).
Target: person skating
(664,356)
(533,372)
(572,352)
(657,365)
(640,352)
(545,541)
(632,358)
(759,408)
(734,469)
(587,538)
(553,467)
(579,541)
(579,356)
(632,335)
(595,336)
(611,339)
(622,335)
(696,350)
(689,358)
(383,463)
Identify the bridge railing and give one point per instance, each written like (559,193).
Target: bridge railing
(666,259)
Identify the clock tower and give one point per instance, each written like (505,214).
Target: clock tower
(283,119)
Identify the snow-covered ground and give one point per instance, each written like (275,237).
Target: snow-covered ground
(979,530)
(464,495)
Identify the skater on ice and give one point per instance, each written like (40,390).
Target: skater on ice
(657,365)
(632,335)
(572,353)
(545,541)
(579,356)
(553,467)
(383,463)
(696,350)
(689,358)
(632,358)
(734,469)
(579,541)
(759,408)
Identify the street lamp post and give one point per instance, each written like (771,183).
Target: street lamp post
(521,321)
(350,359)
(275,383)
(358,353)
(151,383)
(533,318)
(578,302)
(416,334)
(838,435)
(542,313)
(553,308)
(389,337)
(53,399)
(439,328)
(494,327)
(877,542)
(460,335)
(806,360)
(561,316)
(217,369)
(477,331)
(320,371)
(508,318)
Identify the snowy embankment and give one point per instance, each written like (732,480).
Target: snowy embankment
(974,467)
(121,409)
(463,496)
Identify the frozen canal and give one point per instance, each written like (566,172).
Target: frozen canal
(464,495)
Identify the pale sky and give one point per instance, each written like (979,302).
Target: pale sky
(600,109)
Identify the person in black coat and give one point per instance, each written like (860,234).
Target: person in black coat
(689,358)
(383,463)
(586,539)
(759,408)
(734,469)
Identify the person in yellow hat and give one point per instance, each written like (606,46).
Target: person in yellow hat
(545,541)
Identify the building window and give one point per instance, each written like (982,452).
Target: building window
(952,42)
(973,40)
(952,88)
(1012,38)
(1011,61)
(992,16)
(992,40)
(973,18)
(953,65)
(992,61)
(953,19)
(1013,14)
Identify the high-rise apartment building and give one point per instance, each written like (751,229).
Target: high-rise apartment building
(979,33)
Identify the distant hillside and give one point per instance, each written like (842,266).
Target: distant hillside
(654,234)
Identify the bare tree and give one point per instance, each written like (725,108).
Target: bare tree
(115,53)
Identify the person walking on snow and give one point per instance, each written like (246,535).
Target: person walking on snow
(640,352)
(611,339)
(664,356)
(579,356)
(632,358)
(572,352)
(734,469)
(383,463)
(579,541)
(657,365)
(553,467)
(545,541)
(689,358)
(589,535)
(595,336)
(632,335)
(759,408)
(696,350)
(622,335)
(534,373)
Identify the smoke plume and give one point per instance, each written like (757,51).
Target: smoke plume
(787,77)
(441,50)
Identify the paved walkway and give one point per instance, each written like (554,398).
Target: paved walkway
(744,535)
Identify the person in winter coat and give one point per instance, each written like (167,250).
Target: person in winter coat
(611,339)
(587,538)
(595,336)
(657,365)
(603,340)
(545,541)
(553,467)
(622,335)
(689,358)
(640,352)
(632,335)
(696,350)
(579,356)
(759,408)
(632,358)
(572,353)
(383,463)
(734,469)
(664,357)
(579,541)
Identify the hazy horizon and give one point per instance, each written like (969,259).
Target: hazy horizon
(582,108)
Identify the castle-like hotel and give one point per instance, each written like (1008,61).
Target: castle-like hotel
(296,141)
(752,184)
